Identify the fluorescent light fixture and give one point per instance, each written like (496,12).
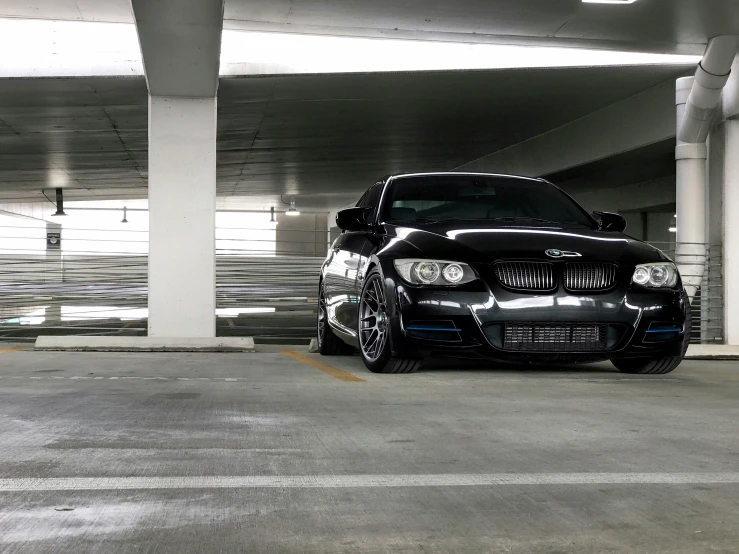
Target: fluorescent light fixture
(673,229)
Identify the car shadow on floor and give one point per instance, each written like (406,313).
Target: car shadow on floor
(447,364)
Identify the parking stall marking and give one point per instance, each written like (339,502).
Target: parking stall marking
(325,368)
(14,349)
(115,378)
(364,481)
(346,376)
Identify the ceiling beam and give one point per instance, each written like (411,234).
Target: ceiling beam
(181,45)
(643,119)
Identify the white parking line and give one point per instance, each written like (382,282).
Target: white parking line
(497,379)
(87,378)
(364,481)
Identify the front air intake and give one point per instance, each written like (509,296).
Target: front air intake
(554,337)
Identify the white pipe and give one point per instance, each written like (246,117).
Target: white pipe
(696,99)
(710,79)
(690,250)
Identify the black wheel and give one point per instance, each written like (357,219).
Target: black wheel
(656,366)
(328,343)
(374,331)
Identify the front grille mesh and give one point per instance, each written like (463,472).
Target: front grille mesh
(547,337)
(584,276)
(525,275)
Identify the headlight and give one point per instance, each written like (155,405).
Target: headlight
(657,275)
(434,272)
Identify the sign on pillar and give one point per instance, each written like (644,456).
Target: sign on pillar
(53,241)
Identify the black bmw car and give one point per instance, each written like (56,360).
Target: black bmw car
(495,267)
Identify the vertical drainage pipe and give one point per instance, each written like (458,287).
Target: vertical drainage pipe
(697,99)
(690,250)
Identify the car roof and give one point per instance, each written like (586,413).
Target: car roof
(464,173)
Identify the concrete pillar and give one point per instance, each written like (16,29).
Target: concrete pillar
(712,302)
(53,272)
(731,233)
(182,202)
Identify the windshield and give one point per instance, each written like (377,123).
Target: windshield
(480,197)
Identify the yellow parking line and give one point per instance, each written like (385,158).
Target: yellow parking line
(327,369)
(14,349)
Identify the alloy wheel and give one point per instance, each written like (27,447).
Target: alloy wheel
(373,320)
(321,316)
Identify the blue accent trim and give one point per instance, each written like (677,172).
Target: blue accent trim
(433,329)
(674,330)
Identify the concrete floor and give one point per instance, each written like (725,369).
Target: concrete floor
(275,454)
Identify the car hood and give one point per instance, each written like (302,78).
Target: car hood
(484,242)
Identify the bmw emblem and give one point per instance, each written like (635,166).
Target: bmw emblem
(554,253)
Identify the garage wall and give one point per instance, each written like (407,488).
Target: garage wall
(304,235)
(648,207)
(632,197)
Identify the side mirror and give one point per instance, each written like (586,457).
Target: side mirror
(610,222)
(353,219)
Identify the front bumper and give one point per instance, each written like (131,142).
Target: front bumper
(470,321)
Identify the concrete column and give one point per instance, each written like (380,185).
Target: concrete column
(53,266)
(53,273)
(712,304)
(182,202)
(731,233)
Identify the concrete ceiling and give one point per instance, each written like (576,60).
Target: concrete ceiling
(111,11)
(322,138)
(650,25)
(653,25)
(656,161)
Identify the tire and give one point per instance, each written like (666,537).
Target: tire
(328,343)
(656,366)
(374,331)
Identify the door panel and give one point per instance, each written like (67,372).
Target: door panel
(341,280)
(344,275)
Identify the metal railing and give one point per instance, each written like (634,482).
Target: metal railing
(264,287)
(708,301)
